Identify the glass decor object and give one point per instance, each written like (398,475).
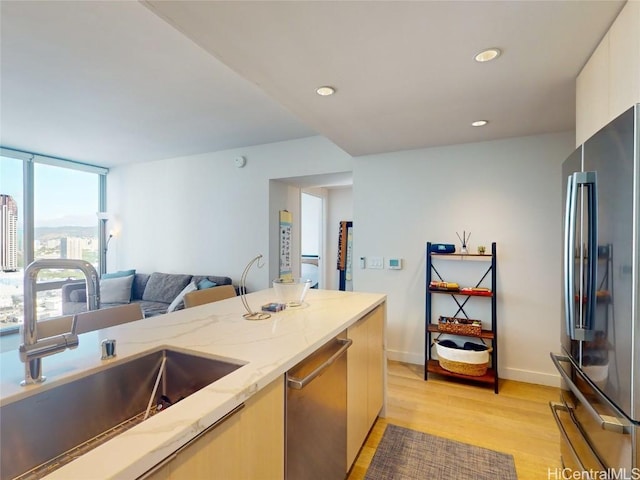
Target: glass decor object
(291,292)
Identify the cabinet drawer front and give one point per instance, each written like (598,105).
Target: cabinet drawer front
(575,452)
(604,428)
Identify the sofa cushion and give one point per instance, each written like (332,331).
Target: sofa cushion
(178,302)
(151,309)
(164,287)
(79,295)
(139,283)
(206,283)
(212,278)
(116,290)
(121,273)
(71,308)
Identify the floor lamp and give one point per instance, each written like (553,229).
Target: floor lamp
(103,217)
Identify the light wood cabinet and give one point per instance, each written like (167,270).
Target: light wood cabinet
(592,93)
(624,60)
(376,365)
(357,389)
(365,378)
(609,83)
(248,444)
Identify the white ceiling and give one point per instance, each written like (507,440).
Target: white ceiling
(109,83)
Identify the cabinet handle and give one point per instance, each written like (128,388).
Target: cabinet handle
(175,454)
(299,383)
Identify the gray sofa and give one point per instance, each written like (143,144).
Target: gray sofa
(155,292)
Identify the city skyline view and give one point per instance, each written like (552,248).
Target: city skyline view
(57,203)
(65,202)
(8,233)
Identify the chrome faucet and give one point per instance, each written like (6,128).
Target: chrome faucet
(32,349)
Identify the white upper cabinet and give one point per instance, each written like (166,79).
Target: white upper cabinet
(624,60)
(592,93)
(610,81)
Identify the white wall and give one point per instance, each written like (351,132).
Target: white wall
(201,214)
(506,191)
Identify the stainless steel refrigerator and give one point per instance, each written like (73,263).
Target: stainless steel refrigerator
(598,413)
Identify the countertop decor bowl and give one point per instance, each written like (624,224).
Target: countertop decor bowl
(291,292)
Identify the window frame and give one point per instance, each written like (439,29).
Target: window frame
(28,171)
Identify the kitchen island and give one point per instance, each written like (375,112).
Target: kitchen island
(265,348)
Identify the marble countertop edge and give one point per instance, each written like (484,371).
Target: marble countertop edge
(267,349)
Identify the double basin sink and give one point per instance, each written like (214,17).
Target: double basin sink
(48,429)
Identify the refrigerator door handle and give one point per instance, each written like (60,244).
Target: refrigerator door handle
(569,254)
(583,331)
(607,422)
(590,179)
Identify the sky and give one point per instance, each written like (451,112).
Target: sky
(63,196)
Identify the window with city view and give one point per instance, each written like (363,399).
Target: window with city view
(65,202)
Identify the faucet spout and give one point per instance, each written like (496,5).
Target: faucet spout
(50,346)
(33,349)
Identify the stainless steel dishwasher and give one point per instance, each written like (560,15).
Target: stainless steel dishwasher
(316,419)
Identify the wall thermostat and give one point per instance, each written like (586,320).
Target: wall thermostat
(240,162)
(394,264)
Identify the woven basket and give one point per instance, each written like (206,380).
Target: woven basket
(460,326)
(465,362)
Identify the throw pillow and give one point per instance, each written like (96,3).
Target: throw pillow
(116,290)
(79,295)
(176,304)
(164,287)
(121,273)
(206,283)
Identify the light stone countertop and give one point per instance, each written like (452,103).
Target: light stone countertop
(268,347)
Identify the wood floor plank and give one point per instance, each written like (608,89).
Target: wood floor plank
(516,421)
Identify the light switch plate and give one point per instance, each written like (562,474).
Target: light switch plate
(375,262)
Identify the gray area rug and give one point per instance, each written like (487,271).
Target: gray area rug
(405,454)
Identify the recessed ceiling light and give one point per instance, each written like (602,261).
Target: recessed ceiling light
(325,91)
(488,55)
(479,123)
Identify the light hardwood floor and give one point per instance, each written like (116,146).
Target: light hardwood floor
(516,421)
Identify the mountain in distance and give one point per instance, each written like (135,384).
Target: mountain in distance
(49,233)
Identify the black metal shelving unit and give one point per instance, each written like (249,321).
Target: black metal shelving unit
(460,300)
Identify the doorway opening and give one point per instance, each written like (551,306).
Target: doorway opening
(311,238)
(316,228)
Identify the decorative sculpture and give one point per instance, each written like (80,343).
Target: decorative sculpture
(250,315)
(464,240)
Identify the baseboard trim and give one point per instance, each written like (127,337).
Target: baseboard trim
(527,376)
(405,357)
(516,374)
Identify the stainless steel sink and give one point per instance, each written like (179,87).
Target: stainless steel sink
(49,429)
